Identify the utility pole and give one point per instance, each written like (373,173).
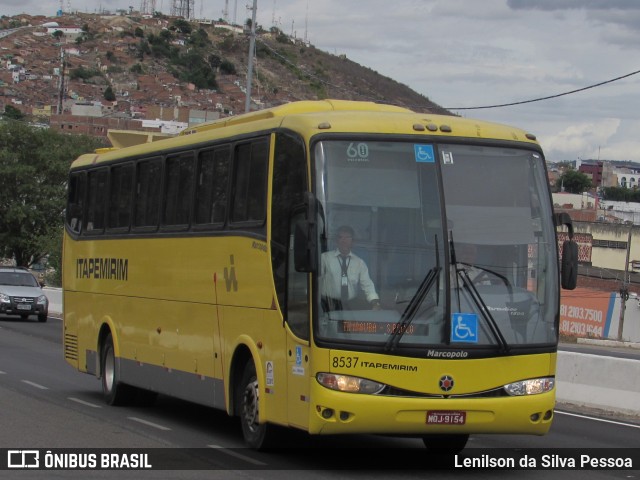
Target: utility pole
(624,290)
(61,85)
(252,48)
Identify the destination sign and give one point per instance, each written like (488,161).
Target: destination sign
(380,328)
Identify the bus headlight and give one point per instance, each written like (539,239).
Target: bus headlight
(534,386)
(347,383)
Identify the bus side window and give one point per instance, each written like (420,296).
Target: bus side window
(120,197)
(96,201)
(148,187)
(211,186)
(250,182)
(178,190)
(76,199)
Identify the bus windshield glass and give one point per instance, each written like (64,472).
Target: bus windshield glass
(434,245)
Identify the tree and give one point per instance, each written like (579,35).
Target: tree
(574,182)
(227,67)
(34,165)
(199,39)
(137,69)
(109,95)
(182,26)
(191,67)
(13,113)
(621,194)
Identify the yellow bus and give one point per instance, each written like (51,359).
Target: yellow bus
(204,267)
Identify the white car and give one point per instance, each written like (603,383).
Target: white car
(21,294)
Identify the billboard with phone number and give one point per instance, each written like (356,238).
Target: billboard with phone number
(586,313)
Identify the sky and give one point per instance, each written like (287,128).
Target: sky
(471,53)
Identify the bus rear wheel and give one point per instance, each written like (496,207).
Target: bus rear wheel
(259,436)
(114,391)
(447,444)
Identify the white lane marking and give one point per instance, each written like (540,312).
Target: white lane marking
(2,373)
(632,425)
(237,455)
(37,385)
(82,402)
(150,424)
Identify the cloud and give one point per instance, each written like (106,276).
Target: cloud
(573,4)
(584,139)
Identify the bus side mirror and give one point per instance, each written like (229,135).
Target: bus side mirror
(305,244)
(569,265)
(569,260)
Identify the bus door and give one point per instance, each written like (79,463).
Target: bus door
(298,314)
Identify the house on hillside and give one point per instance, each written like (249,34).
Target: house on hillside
(68,31)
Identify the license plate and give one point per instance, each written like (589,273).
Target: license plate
(22,306)
(446,417)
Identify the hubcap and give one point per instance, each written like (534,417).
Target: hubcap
(109,370)
(250,405)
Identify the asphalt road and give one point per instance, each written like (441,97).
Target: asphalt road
(45,403)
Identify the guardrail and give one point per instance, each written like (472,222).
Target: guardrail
(597,381)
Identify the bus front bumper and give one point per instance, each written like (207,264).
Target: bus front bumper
(335,412)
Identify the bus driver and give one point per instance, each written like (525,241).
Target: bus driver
(344,275)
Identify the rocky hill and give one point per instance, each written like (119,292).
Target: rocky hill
(130,63)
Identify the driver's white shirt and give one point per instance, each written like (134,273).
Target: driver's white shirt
(357,275)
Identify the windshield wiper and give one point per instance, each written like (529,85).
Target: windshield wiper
(504,279)
(477,298)
(414,305)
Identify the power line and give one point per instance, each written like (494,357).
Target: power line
(548,97)
(339,87)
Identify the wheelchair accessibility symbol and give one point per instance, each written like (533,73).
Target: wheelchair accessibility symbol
(464,327)
(424,153)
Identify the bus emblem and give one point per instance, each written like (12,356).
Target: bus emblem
(230,276)
(446,383)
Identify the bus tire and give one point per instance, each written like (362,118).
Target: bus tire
(256,435)
(115,392)
(446,444)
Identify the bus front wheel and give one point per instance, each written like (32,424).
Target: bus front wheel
(256,435)
(115,392)
(449,444)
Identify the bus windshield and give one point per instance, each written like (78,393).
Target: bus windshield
(434,245)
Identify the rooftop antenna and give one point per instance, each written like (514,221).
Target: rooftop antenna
(273,15)
(252,47)
(306,22)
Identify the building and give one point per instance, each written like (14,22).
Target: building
(601,173)
(95,126)
(628,177)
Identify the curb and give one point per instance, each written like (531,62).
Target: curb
(608,343)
